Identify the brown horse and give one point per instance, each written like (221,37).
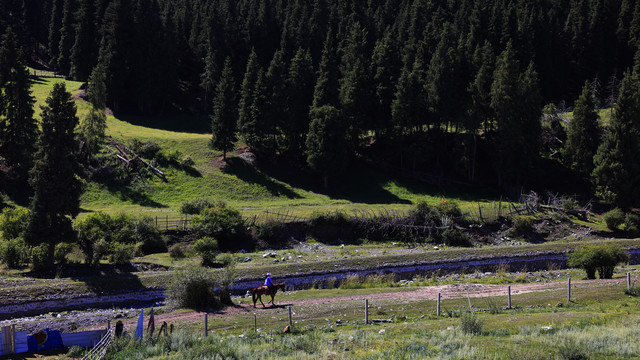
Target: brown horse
(256,293)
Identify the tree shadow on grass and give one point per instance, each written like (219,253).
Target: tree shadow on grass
(178,121)
(250,174)
(126,193)
(103,279)
(358,184)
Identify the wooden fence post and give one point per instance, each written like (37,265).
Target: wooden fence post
(166,224)
(290,319)
(628,281)
(255,323)
(366,311)
(438,308)
(156,221)
(509,296)
(206,325)
(569,290)
(13,339)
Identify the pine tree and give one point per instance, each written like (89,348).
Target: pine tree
(325,91)
(224,118)
(84,53)
(18,128)
(246,96)
(275,82)
(616,170)
(57,188)
(327,147)
(67,37)
(208,77)
(92,128)
(300,82)
(55,23)
(583,134)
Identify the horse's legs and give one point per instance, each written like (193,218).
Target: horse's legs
(260,298)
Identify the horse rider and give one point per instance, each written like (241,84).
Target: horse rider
(267,282)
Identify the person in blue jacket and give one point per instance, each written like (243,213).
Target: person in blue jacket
(268,282)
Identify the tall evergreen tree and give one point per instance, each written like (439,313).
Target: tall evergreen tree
(67,37)
(583,134)
(325,91)
(84,53)
(616,170)
(54,179)
(275,82)
(18,128)
(224,118)
(92,128)
(246,96)
(327,148)
(300,82)
(208,77)
(55,23)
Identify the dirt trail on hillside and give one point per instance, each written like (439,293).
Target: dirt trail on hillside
(421,293)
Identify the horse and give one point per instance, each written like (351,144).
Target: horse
(256,293)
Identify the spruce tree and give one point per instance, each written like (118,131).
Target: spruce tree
(57,188)
(583,134)
(224,118)
(92,128)
(55,23)
(84,53)
(616,170)
(300,82)
(208,77)
(325,91)
(18,128)
(67,37)
(327,148)
(246,97)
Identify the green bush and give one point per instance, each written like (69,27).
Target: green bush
(101,249)
(632,224)
(207,248)
(455,237)
(423,213)
(471,324)
(602,258)
(196,206)
(522,225)
(192,288)
(13,222)
(225,259)
(225,225)
(177,251)
(39,257)
(613,219)
(121,254)
(61,252)
(449,208)
(570,204)
(13,252)
(91,229)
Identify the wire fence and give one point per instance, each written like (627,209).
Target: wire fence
(100,350)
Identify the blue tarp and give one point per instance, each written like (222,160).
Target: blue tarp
(49,339)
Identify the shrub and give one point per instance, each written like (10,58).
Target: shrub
(225,225)
(61,252)
(13,222)
(100,249)
(192,288)
(522,225)
(423,213)
(196,206)
(570,350)
(39,257)
(225,259)
(613,219)
(121,254)
(455,237)
(449,208)
(207,248)
(632,223)
(177,251)
(602,258)
(13,252)
(146,232)
(91,229)
(570,204)
(471,324)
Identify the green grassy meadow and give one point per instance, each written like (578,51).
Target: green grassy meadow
(250,189)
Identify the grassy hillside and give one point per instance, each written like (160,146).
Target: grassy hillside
(239,184)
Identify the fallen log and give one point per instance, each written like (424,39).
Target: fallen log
(127,159)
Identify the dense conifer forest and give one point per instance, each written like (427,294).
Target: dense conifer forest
(468,90)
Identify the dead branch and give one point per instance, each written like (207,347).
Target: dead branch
(127,159)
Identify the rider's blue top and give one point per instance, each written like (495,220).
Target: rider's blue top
(267,281)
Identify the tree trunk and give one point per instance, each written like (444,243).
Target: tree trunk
(326,181)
